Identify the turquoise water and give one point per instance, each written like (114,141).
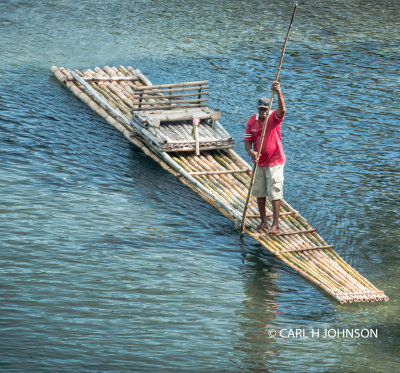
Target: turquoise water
(110,264)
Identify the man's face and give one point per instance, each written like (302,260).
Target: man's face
(262,112)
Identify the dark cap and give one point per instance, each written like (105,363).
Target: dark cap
(263,102)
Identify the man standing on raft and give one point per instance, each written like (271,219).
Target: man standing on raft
(269,175)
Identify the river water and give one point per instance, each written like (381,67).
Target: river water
(110,264)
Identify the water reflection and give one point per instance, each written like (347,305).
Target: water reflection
(258,311)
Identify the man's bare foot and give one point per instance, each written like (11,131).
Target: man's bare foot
(262,225)
(274,229)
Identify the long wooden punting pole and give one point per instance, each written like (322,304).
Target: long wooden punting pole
(253,173)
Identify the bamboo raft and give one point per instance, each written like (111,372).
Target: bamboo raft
(159,120)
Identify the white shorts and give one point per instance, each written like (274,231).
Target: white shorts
(269,182)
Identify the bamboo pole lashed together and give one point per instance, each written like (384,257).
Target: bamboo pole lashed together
(220,177)
(253,173)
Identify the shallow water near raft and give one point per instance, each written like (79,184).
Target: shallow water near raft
(108,263)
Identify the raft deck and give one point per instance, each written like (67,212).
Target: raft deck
(208,165)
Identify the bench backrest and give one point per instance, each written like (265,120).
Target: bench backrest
(171,96)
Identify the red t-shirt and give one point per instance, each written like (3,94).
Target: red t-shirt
(272,150)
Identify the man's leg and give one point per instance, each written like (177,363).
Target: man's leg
(275,194)
(260,189)
(261,208)
(275,210)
